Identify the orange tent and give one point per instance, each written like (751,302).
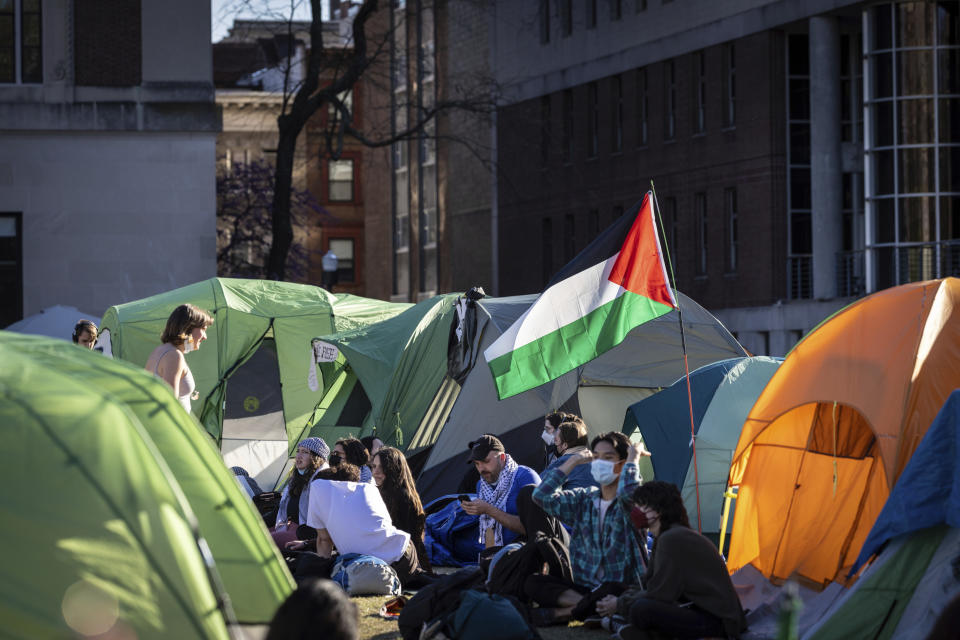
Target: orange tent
(835,426)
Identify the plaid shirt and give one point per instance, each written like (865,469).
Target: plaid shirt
(615,548)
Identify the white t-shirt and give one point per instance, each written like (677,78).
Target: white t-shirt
(604,506)
(355,516)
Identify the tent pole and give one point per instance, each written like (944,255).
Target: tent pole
(686,365)
(728,495)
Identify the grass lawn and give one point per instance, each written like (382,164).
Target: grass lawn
(373,627)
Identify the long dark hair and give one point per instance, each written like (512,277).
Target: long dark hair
(297,481)
(665,499)
(356,453)
(398,486)
(399,493)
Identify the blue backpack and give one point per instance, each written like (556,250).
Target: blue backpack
(365,575)
(451,536)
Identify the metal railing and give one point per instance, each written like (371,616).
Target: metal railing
(851,277)
(800,273)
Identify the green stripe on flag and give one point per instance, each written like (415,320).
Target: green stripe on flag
(572,345)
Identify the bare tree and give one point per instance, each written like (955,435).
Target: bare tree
(332,71)
(244,200)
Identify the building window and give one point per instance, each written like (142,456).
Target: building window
(700,211)
(544,21)
(912,149)
(343,249)
(670,98)
(616,9)
(340,180)
(729,85)
(617,213)
(670,217)
(346,99)
(640,6)
(700,92)
(566,17)
(568,125)
(569,238)
(617,133)
(730,211)
(21,56)
(546,250)
(545,133)
(642,107)
(591,14)
(799,232)
(11,268)
(593,224)
(593,120)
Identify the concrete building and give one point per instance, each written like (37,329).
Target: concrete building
(804,153)
(107,133)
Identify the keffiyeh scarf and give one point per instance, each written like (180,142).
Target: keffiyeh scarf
(497,496)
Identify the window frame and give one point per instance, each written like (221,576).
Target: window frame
(354,179)
(17,47)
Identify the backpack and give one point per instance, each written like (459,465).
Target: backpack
(479,613)
(451,535)
(435,600)
(510,571)
(365,575)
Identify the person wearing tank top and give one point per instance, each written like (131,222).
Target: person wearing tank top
(186,329)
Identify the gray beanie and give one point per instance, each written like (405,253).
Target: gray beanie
(316,446)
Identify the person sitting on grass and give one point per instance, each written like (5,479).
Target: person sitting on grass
(352,450)
(603,548)
(687,591)
(392,475)
(571,438)
(351,516)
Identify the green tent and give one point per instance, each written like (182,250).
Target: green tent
(386,375)
(254,394)
(250,567)
(122,517)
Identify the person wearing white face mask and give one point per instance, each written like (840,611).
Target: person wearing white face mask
(602,545)
(550,423)
(311,457)
(571,438)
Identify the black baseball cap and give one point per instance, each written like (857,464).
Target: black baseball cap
(482,446)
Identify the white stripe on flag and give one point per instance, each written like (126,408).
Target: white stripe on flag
(563,303)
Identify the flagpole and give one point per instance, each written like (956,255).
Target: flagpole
(686,365)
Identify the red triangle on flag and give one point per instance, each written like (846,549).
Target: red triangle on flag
(639,267)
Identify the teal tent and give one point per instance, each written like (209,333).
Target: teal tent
(124,519)
(721,395)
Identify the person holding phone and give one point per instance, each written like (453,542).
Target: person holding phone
(501,479)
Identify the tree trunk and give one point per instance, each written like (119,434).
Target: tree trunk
(283,181)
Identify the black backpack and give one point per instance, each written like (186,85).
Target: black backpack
(437,599)
(511,570)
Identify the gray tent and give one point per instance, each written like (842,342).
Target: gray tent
(649,359)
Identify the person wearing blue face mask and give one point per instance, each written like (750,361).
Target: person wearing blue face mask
(312,455)
(602,545)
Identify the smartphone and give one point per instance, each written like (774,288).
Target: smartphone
(463,497)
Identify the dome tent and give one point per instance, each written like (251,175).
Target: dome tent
(722,395)
(100,535)
(836,425)
(249,565)
(600,391)
(254,394)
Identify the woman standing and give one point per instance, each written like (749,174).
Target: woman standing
(186,329)
(392,476)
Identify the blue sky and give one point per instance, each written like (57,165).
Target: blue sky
(223,12)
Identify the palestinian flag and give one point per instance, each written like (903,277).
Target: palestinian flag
(617,283)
